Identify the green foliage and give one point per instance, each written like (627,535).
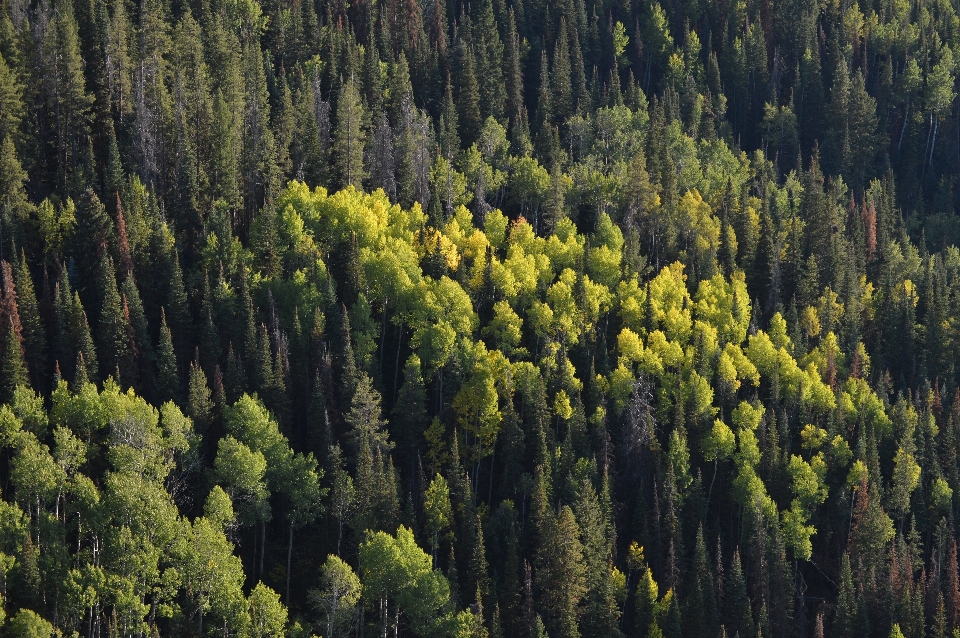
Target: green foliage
(630,271)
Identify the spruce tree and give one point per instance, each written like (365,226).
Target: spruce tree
(561,77)
(80,340)
(349,139)
(513,77)
(168,373)
(701,602)
(469,117)
(113,346)
(13,370)
(738,615)
(845,620)
(409,415)
(199,404)
(33,333)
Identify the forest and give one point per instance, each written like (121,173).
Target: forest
(487,319)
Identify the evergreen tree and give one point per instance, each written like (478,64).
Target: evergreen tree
(32,328)
(199,405)
(168,373)
(701,603)
(13,370)
(469,117)
(114,345)
(738,614)
(349,138)
(845,621)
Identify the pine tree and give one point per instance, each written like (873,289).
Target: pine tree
(468,95)
(258,159)
(138,321)
(199,405)
(449,125)
(33,333)
(513,77)
(409,415)
(479,568)
(168,373)
(562,572)
(13,370)
(489,62)
(113,346)
(701,604)
(845,621)
(738,615)
(80,340)
(66,97)
(177,304)
(93,237)
(349,139)
(14,203)
(561,80)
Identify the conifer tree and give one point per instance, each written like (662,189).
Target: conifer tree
(845,621)
(561,80)
(513,77)
(469,116)
(199,405)
(701,603)
(349,138)
(33,333)
(14,204)
(79,339)
(113,346)
(66,96)
(738,615)
(489,62)
(168,373)
(409,415)
(13,370)
(562,572)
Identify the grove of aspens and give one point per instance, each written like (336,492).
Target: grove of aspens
(486,318)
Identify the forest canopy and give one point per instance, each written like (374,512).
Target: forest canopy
(509,318)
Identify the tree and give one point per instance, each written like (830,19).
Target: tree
(845,621)
(268,617)
(15,207)
(337,596)
(701,604)
(469,117)
(241,471)
(348,137)
(438,511)
(365,418)
(14,371)
(168,374)
(26,623)
(114,342)
(398,579)
(562,573)
(66,97)
(409,415)
(199,406)
(738,615)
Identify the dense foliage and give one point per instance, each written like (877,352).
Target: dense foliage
(504,318)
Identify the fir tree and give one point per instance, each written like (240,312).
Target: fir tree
(33,333)
(13,370)
(168,373)
(738,615)
(349,139)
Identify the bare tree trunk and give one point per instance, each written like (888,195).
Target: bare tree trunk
(906,118)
